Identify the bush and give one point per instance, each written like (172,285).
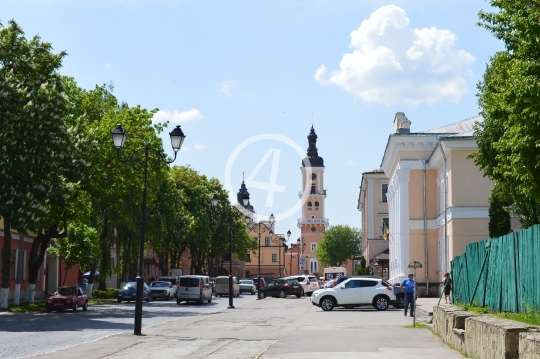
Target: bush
(109,293)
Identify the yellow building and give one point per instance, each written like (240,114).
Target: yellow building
(272,252)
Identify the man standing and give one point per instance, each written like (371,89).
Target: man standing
(408,287)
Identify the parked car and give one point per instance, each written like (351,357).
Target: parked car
(309,283)
(343,278)
(129,292)
(222,286)
(281,288)
(263,282)
(355,292)
(194,288)
(247,285)
(400,296)
(329,284)
(162,289)
(70,297)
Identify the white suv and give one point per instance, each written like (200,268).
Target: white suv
(355,292)
(309,283)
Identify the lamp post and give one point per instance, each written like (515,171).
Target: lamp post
(288,236)
(215,201)
(119,137)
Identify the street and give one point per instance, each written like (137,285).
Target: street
(25,335)
(270,328)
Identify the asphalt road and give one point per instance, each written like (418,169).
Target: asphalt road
(25,335)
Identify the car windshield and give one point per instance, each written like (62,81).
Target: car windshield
(130,285)
(246,282)
(66,291)
(159,284)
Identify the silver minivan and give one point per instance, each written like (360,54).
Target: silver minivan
(222,286)
(194,288)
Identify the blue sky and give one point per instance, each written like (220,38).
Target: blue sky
(231,70)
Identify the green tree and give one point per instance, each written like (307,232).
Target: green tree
(499,217)
(339,244)
(36,153)
(509,97)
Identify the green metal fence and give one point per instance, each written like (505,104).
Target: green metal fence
(501,273)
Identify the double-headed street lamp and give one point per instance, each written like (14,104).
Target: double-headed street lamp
(215,201)
(119,137)
(300,250)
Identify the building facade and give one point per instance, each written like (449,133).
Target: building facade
(437,199)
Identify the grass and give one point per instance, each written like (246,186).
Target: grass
(27,307)
(530,317)
(419,325)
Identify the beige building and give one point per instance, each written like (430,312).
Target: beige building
(373,204)
(437,200)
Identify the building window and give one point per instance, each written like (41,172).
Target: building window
(274,257)
(316,206)
(267,241)
(384,192)
(313,246)
(313,265)
(248,257)
(309,205)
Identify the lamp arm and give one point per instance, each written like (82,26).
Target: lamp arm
(129,158)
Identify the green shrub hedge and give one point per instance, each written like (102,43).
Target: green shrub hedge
(109,293)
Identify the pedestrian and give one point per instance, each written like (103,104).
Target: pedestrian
(408,287)
(447,288)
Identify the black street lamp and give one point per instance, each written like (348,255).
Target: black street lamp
(119,137)
(285,250)
(300,250)
(215,201)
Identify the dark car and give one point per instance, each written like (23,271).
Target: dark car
(280,288)
(400,296)
(67,298)
(263,282)
(129,292)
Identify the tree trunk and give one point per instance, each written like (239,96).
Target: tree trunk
(35,260)
(6,262)
(105,253)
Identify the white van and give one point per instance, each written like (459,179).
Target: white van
(222,286)
(194,288)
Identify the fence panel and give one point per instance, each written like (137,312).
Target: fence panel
(501,273)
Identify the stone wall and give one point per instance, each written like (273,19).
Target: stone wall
(486,337)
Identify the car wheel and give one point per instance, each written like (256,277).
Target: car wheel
(85,306)
(76,307)
(400,301)
(327,304)
(282,294)
(253,292)
(380,303)
(129,301)
(178,301)
(49,310)
(148,299)
(262,295)
(210,300)
(299,296)
(119,300)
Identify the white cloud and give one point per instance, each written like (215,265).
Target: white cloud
(393,63)
(177,117)
(226,87)
(107,66)
(350,163)
(195,147)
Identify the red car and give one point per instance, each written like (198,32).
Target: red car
(67,298)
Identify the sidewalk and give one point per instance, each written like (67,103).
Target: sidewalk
(425,305)
(273,329)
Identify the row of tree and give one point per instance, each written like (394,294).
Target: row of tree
(60,177)
(509,97)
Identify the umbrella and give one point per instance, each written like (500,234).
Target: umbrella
(87,274)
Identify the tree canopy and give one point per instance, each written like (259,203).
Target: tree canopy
(509,97)
(339,244)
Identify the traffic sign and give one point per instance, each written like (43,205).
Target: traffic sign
(302,261)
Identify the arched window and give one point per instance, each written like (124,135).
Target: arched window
(309,205)
(317,205)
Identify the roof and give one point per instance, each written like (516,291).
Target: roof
(462,127)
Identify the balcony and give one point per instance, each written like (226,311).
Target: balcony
(323,221)
(320,194)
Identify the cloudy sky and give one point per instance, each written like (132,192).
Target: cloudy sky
(247,79)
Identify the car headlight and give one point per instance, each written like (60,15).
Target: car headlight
(49,301)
